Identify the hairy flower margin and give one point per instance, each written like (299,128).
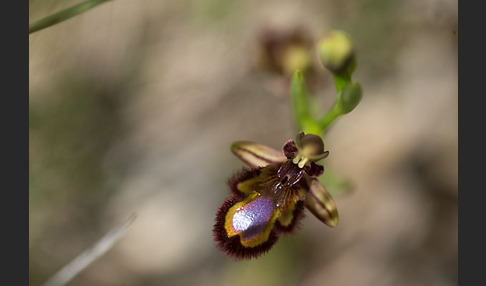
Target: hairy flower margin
(268,199)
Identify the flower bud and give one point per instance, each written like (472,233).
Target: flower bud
(296,57)
(336,51)
(350,97)
(283,52)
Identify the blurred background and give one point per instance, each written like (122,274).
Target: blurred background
(133,107)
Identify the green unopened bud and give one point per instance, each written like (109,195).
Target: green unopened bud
(336,51)
(350,97)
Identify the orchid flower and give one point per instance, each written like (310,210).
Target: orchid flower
(268,199)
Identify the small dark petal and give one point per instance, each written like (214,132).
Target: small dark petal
(242,175)
(289,149)
(314,170)
(231,246)
(295,225)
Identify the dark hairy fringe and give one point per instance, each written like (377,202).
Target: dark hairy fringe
(240,176)
(232,246)
(296,224)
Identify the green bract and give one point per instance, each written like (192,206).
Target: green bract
(350,97)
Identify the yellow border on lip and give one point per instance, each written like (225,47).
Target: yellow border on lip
(262,237)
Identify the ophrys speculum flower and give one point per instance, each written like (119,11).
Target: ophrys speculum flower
(268,199)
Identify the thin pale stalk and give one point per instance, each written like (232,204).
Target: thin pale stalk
(69,271)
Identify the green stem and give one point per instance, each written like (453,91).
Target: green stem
(341,80)
(64,15)
(311,127)
(330,116)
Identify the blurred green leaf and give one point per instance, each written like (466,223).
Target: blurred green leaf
(64,15)
(300,105)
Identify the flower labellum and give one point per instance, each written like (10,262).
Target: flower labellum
(268,199)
